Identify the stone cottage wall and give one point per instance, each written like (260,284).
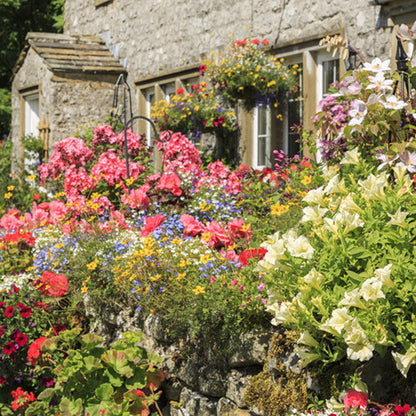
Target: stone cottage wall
(68,101)
(155,36)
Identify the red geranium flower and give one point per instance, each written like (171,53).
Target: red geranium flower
(36,197)
(33,352)
(265,42)
(255,41)
(21,398)
(355,400)
(180,91)
(400,410)
(52,284)
(8,312)
(251,253)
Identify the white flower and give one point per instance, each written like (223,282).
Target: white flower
(405,361)
(314,196)
(331,225)
(338,322)
(283,313)
(300,248)
(371,289)
(379,83)
(408,160)
(352,298)
(376,65)
(398,218)
(406,33)
(336,186)
(313,278)
(384,274)
(373,187)
(359,347)
(393,103)
(313,214)
(350,221)
(307,339)
(352,157)
(306,357)
(357,113)
(348,204)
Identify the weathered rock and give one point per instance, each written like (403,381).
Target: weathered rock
(237,382)
(227,407)
(249,349)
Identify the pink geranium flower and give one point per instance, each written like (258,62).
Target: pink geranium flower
(192,226)
(151,223)
(171,182)
(355,400)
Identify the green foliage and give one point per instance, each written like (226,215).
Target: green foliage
(347,270)
(89,377)
(5,111)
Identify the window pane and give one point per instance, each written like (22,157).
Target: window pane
(295,112)
(261,151)
(32,114)
(262,121)
(330,74)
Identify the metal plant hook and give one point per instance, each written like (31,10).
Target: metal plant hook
(119,114)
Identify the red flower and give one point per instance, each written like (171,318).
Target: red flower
(255,41)
(139,393)
(250,254)
(8,312)
(9,348)
(57,329)
(151,223)
(52,284)
(21,398)
(20,339)
(171,182)
(180,91)
(36,197)
(400,410)
(202,69)
(265,42)
(192,226)
(25,311)
(1,331)
(2,381)
(33,352)
(355,399)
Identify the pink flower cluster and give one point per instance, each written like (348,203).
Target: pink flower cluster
(217,234)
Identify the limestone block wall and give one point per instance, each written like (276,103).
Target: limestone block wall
(68,102)
(155,36)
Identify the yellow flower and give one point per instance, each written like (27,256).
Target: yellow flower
(306,180)
(92,265)
(10,188)
(31,178)
(198,290)
(205,258)
(8,195)
(278,209)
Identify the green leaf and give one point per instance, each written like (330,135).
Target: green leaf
(46,394)
(113,377)
(138,380)
(118,361)
(104,391)
(92,363)
(71,408)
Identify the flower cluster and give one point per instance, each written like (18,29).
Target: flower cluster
(246,71)
(199,111)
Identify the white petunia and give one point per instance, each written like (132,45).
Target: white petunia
(313,214)
(348,204)
(398,218)
(300,248)
(383,275)
(352,157)
(373,187)
(336,186)
(307,339)
(313,278)
(314,196)
(359,347)
(352,298)
(371,289)
(405,361)
(283,313)
(338,322)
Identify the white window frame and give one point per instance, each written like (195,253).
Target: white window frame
(31,114)
(267,136)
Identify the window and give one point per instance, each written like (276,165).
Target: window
(149,95)
(262,136)
(327,69)
(31,111)
(169,90)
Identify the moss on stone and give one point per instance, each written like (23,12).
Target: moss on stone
(275,394)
